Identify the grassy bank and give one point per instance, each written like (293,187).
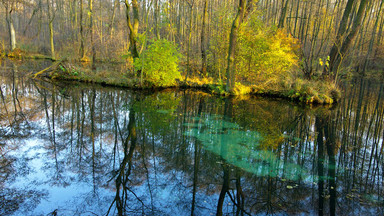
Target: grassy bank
(18,54)
(295,89)
(290,86)
(267,64)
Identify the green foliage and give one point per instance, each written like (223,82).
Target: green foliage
(218,89)
(159,110)
(75,73)
(62,68)
(71,71)
(159,63)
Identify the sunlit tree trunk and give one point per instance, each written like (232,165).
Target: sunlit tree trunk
(74,21)
(342,45)
(348,40)
(189,40)
(133,29)
(143,10)
(156,19)
(82,49)
(203,40)
(112,27)
(50,22)
(242,13)
(92,30)
(379,35)
(296,17)
(11,28)
(339,37)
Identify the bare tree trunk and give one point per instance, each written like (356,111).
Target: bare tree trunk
(112,29)
(156,19)
(92,31)
(372,38)
(203,40)
(74,22)
(11,28)
(339,38)
(379,35)
(189,41)
(133,30)
(50,23)
(296,17)
(82,49)
(283,14)
(348,40)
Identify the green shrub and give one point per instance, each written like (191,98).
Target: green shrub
(159,63)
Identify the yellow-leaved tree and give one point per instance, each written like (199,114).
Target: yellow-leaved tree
(264,55)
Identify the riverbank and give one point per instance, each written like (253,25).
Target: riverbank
(294,89)
(291,88)
(18,54)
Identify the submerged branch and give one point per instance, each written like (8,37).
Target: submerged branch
(53,66)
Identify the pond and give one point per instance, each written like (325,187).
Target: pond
(75,149)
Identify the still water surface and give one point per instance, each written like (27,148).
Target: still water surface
(74,149)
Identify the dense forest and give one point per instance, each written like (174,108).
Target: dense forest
(193,107)
(247,41)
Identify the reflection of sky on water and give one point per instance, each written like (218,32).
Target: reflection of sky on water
(72,193)
(172,127)
(41,175)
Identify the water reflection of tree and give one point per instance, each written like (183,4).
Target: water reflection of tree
(86,130)
(124,172)
(17,108)
(326,138)
(17,111)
